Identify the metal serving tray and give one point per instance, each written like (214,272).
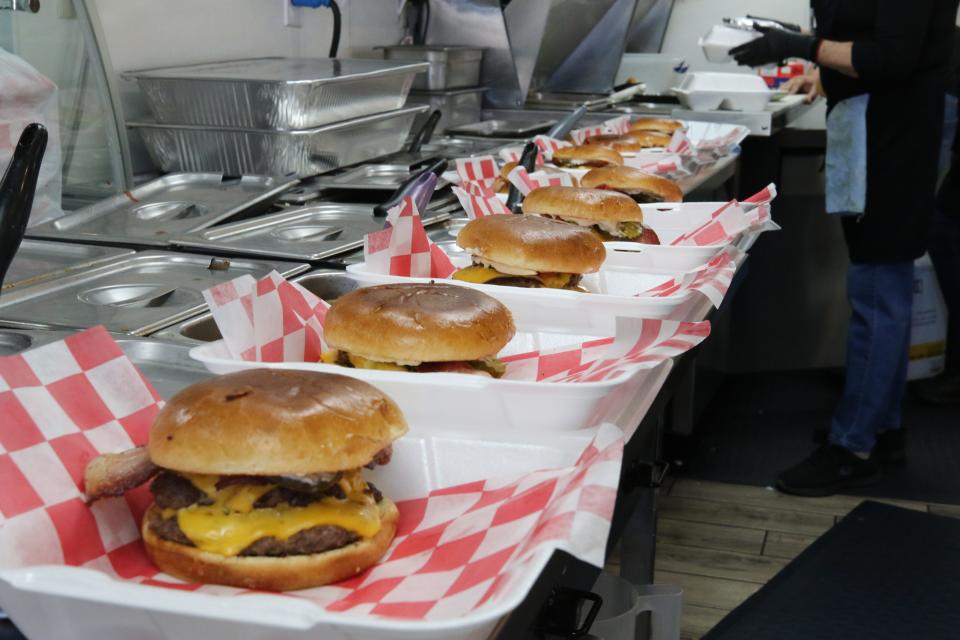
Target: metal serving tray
(304,152)
(308,234)
(136,294)
(166,364)
(150,214)
(327,284)
(458,106)
(370,177)
(450,67)
(38,260)
(502,128)
(276,93)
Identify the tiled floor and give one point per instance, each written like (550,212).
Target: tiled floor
(722,542)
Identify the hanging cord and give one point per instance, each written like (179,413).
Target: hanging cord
(335,41)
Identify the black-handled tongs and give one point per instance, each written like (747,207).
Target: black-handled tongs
(419,186)
(528,160)
(16,192)
(426,131)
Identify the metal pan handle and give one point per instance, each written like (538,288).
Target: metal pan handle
(419,186)
(16,192)
(562,128)
(426,131)
(528,160)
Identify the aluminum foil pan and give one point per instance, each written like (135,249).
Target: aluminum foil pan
(304,153)
(276,93)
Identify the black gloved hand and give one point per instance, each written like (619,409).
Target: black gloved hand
(775,46)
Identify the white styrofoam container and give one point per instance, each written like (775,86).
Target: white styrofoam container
(659,72)
(554,310)
(73,603)
(928,330)
(718,42)
(437,400)
(708,91)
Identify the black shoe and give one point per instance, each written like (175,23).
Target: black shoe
(891,446)
(828,470)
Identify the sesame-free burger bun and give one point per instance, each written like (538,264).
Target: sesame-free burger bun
(533,242)
(267,573)
(274,422)
(586,204)
(416,323)
(588,154)
(633,181)
(663,125)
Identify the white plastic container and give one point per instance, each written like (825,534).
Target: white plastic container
(928,333)
(438,400)
(708,91)
(73,603)
(558,311)
(718,42)
(659,72)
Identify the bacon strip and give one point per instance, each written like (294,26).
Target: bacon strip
(110,474)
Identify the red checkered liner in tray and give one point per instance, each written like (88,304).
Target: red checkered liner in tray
(614,126)
(478,203)
(527,182)
(545,145)
(403,249)
(458,552)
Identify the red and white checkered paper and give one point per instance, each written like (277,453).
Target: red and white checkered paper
(615,126)
(665,165)
(268,320)
(457,551)
(639,344)
(481,169)
(545,144)
(713,281)
(477,205)
(732,219)
(527,182)
(403,249)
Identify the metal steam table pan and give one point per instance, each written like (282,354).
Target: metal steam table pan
(38,260)
(450,66)
(136,294)
(371,177)
(150,214)
(502,128)
(303,234)
(166,364)
(276,93)
(303,152)
(326,284)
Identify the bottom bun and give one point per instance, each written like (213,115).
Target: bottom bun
(267,573)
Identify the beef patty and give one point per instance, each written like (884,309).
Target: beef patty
(173,491)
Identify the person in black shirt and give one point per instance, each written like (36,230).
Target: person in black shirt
(884,68)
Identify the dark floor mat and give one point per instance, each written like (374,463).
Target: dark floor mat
(881,572)
(761,424)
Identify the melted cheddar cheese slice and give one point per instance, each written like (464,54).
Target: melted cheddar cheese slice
(477,274)
(231,524)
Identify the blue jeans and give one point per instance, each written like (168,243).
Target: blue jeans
(878,350)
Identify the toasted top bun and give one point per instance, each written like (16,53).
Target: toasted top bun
(589,152)
(632,180)
(419,323)
(272,422)
(532,242)
(586,204)
(664,125)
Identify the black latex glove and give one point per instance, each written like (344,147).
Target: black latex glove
(775,46)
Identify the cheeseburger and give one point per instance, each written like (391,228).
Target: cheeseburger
(257,479)
(610,215)
(528,251)
(663,125)
(633,141)
(418,327)
(642,187)
(501,183)
(586,156)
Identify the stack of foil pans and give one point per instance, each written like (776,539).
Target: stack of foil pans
(276,116)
